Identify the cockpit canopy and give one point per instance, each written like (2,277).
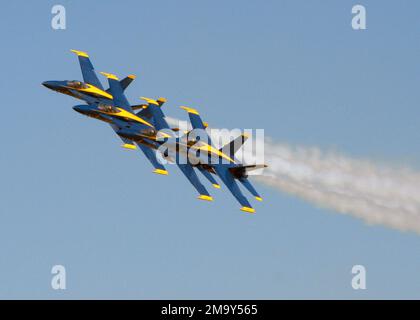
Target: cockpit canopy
(76,84)
(107,108)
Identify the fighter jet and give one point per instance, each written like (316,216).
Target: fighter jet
(110,106)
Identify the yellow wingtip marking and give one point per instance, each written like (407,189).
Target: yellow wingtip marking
(129,146)
(204,197)
(248,209)
(80,53)
(150,101)
(217,186)
(259,198)
(160,171)
(109,75)
(132,76)
(190,110)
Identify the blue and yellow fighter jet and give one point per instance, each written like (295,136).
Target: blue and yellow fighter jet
(200,154)
(110,106)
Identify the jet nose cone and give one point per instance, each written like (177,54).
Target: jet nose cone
(127,134)
(48,84)
(79,109)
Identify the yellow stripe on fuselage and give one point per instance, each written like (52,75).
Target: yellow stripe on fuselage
(95,90)
(210,149)
(125,114)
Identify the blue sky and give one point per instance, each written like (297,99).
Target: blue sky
(70,195)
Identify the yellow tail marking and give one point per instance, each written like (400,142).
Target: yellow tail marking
(190,110)
(80,53)
(160,171)
(150,101)
(131,76)
(129,146)
(248,209)
(259,198)
(217,186)
(161,100)
(109,75)
(204,197)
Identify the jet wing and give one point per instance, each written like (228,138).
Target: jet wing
(227,178)
(209,177)
(117,92)
(247,184)
(151,155)
(88,71)
(195,118)
(191,175)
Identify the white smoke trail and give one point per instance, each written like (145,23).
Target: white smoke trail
(375,193)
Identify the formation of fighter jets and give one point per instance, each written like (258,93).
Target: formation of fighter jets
(145,126)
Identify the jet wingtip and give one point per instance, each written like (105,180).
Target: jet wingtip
(248,209)
(129,146)
(205,197)
(259,198)
(161,171)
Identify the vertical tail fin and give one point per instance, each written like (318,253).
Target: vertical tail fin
(156,112)
(88,71)
(127,81)
(230,148)
(117,92)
